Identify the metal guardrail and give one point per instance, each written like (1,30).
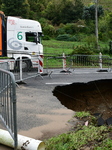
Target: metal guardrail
(8,103)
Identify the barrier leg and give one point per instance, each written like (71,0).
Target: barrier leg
(64,65)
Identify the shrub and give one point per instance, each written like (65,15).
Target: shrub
(110,34)
(60,31)
(66,37)
(91,40)
(49,30)
(103,37)
(73,38)
(63,37)
(83,49)
(46,37)
(70,28)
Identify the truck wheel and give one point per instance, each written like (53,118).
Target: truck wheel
(26,65)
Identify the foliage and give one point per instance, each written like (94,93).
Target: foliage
(63,37)
(82,114)
(15,8)
(107,5)
(89,12)
(66,37)
(64,11)
(90,40)
(64,16)
(71,28)
(109,20)
(49,30)
(83,49)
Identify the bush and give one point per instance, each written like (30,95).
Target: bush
(49,30)
(46,37)
(85,50)
(63,37)
(60,31)
(90,40)
(71,28)
(103,37)
(110,34)
(66,37)
(73,38)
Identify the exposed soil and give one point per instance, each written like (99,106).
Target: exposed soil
(94,96)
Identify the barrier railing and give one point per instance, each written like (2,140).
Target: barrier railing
(8,103)
(76,61)
(4,65)
(23,68)
(89,60)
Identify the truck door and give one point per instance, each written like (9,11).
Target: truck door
(31,42)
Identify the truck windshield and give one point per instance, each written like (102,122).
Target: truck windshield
(31,37)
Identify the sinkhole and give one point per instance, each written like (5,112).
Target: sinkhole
(94,96)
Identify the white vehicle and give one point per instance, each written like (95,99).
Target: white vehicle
(20,38)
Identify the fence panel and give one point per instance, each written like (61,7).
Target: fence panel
(8,103)
(90,61)
(24,69)
(4,65)
(76,61)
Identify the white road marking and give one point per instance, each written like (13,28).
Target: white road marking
(57,83)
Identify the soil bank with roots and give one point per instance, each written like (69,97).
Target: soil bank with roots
(94,96)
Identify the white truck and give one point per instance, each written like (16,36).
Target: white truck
(20,38)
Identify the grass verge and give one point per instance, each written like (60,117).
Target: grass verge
(83,137)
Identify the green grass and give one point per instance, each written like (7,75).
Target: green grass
(58,47)
(91,136)
(5,58)
(81,137)
(82,114)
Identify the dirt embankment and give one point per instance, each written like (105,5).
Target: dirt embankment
(94,96)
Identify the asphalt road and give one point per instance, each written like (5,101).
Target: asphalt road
(35,97)
(40,115)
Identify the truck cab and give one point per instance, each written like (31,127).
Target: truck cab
(21,38)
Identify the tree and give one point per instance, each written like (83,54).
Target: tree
(0,4)
(89,12)
(16,8)
(64,11)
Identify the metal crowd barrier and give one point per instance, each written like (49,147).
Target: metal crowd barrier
(24,70)
(4,65)
(89,60)
(61,62)
(8,103)
(77,61)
